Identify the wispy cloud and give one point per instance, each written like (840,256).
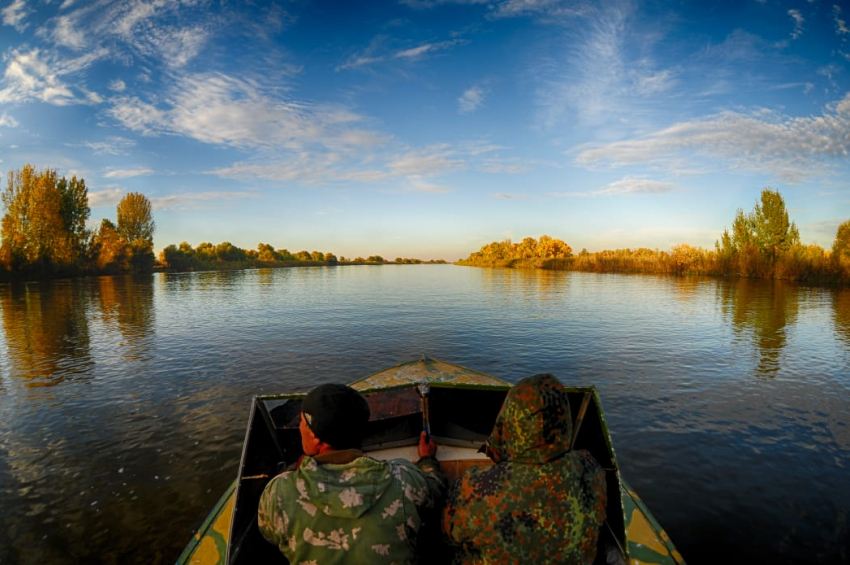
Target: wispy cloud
(223,110)
(373,53)
(792,148)
(198,200)
(128,173)
(422,50)
(418,184)
(546,11)
(35,75)
(428,161)
(107,197)
(600,78)
(15,13)
(798,23)
(8,121)
(507,196)
(631,185)
(840,24)
(471,100)
(112,146)
(378,52)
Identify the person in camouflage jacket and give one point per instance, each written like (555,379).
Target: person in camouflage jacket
(541,502)
(340,506)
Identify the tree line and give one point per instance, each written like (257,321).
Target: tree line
(44,231)
(209,256)
(763,243)
(44,235)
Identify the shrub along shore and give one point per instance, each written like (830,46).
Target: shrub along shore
(762,244)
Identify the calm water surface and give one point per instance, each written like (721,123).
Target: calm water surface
(123,401)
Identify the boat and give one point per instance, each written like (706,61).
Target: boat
(459,406)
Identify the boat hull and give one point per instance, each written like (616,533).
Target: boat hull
(393,394)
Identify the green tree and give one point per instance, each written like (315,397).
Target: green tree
(774,232)
(135,220)
(74,211)
(135,227)
(841,245)
(758,238)
(226,251)
(841,251)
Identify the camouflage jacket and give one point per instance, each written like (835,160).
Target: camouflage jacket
(344,507)
(540,502)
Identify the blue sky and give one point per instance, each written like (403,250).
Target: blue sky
(428,128)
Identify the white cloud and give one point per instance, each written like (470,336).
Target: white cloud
(507,196)
(108,197)
(798,23)
(840,25)
(118,85)
(471,100)
(175,46)
(15,13)
(8,121)
(415,51)
(418,52)
(134,28)
(127,173)
(418,184)
(429,161)
(113,146)
(197,200)
(369,56)
(631,185)
(547,11)
(601,76)
(428,4)
(35,75)
(69,33)
(792,148)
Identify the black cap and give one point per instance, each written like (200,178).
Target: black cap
(337,414)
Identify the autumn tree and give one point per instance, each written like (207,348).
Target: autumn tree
(841,250)
(43,227)
(109,249)
(841,245)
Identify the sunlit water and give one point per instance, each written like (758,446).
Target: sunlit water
(123,401)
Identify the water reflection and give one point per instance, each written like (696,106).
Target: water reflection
(762,312)
(46,332)
(126,304)
(841,313)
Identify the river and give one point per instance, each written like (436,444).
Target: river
(124,400)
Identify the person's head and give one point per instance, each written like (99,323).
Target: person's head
(333,416)
(534,424)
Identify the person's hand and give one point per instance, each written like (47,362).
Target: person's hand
(427,446)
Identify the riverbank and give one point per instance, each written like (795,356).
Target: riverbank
(808,265)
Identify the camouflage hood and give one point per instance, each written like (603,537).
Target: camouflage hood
(534,425)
